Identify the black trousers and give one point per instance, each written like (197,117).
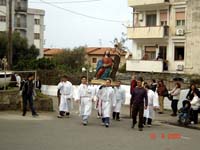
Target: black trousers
(194,116)
(138,108)
(174,106)
(26,99)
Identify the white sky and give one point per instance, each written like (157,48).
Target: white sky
(67,30)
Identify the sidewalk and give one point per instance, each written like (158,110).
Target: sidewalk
(165,118)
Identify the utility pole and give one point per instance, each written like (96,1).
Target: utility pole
(9,49)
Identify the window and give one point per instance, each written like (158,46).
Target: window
(94,60)
(180,18)
(2,2)
(150,53)
(36,36)
(163,18)
(37,21)
(163,52)
(179,52)
(150,20)
(2,18)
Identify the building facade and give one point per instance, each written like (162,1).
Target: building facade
(24,21)
(165,36)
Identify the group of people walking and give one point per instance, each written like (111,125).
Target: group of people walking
(108,99)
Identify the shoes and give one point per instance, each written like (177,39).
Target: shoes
(174,115)
(192,122)
(149,125)
(107,125)
(140,129)
(23,114)
(59,116)
(118,119)
(85,123)
(160,112)
(35,115)
(133,126)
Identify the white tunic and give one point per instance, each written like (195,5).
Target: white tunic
(152,103)
(66,91)
(107,98)
(120,98)
(195,103)
(85,94)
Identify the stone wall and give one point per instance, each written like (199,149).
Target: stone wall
(11,100)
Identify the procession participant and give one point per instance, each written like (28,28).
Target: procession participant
(120,99)
(139,96)
(108,100)
(66,91)
(98,105)
(152,105)
(27,88)
(85,95)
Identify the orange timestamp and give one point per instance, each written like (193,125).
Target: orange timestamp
(169,136)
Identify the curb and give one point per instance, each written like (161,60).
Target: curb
(176,124)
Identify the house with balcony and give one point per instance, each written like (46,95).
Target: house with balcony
(160,36)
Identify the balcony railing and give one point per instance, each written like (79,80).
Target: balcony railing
(137,3)
(147,32)
(144,65)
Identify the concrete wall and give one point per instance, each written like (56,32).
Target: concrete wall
(52,90)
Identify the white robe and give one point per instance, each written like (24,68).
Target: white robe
(107,100)
(152,103)
(120,98)
(85,94)
(66,91)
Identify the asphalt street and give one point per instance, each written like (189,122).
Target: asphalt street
(47,132)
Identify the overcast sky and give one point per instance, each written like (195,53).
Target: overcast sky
(67,30)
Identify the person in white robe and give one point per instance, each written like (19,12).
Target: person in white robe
(152,106)
(120,99)
(66,94)
(85,96)
(107,98)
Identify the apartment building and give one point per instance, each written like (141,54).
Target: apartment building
(35,30)
(165,36)
(28,22)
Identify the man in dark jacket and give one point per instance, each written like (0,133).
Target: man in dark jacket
(139,103)
(27,88)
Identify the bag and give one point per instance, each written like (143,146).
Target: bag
(170,97)
(165,93)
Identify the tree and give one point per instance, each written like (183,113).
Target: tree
(71,60)
(3,44)
(23,55)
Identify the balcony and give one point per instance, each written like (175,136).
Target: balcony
(21,26)
(141,3)
(144,65)
(147,32)
(20,9)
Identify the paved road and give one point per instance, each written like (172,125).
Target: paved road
(47,132)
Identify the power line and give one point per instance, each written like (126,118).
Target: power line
(84,1)
(80,14)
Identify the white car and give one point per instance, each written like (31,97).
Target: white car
(5,78)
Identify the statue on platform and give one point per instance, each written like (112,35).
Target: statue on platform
(104,66)
(108,67)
